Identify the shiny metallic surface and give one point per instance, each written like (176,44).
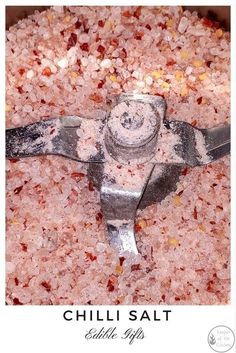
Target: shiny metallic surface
(177,141)
(56,136)
(217,141)
(119,203)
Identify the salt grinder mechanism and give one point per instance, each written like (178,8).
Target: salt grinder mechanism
(136,159)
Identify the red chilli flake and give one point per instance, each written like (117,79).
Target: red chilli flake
(135,267)
(123,53)
(138,36)
(97,39)
(194,123)
(47,71)
(209,23)
(210,287)
(101,23)
(101,83)
(52,131)
(114,42)
(78,24)
(101,49)
(195,213)
(208,63)
(21,71)
(72,41)
(137,12)
(91,186)
(162,25)
(199,100)
(18,190)
(99,216)
(126,14)
(24,247)
(137,228)
(110,286)
(46,285)
(20,89)
(16,281)
(121,259)
(84,47)
(185,171)
(90,256)
(148,27)
(170,62)
(77,175)
(16,301)
(96,98)
(159,94)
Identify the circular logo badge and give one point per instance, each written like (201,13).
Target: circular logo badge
(221,339)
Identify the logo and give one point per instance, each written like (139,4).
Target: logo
(221,339)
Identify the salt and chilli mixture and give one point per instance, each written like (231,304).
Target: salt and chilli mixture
(72,61)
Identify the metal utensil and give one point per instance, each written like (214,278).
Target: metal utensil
(135,155)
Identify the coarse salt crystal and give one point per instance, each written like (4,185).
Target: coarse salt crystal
(10,267)
(106,63)
(84,38)
(16,119)
(149,80)
(140,84)
(119,62)
(192,78)
(183,25)
(27,108)
(59,9)
(46,62)
(100,247)
(63,63)
(189,70)
(137,74)
(84,61)
(30,74)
